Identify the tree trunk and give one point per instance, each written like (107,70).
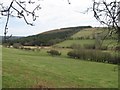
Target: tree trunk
(118,28)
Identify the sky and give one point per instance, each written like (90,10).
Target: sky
(54,14)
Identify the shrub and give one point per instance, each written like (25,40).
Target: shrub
(79,38)
(75,46)
(27,48)
(17,45)
(89,46)
(104,47)
(6,45)
(92,46)
(93,55)
(87,37)
(117,48)
(54,53)
(80,54)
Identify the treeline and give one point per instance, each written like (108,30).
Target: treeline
(94,55)
(48,38)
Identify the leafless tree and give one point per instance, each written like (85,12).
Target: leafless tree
(108,13)
(18,8)
(69,1)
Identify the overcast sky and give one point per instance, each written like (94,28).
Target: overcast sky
(54,14)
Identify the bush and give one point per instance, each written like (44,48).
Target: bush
(6,44)
(17,45)
(89,46)
(75,46)
(27,48)
(92,46)
(54,53)
(93,55)
(104,47)
(117,48)
(79,38)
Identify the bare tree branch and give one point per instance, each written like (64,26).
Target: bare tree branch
(69,1)
(108,13)
(13,7)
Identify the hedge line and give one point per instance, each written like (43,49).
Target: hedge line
(94,55)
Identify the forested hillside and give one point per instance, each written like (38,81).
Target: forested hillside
(50,37)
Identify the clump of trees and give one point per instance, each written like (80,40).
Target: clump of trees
(74,46)
(89,46)
(96,47)
(17,45)
(94,55)
(117,48)
(54,53)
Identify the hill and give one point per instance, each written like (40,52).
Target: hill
(10,39)
(13,37)
(50,37)
(89,36)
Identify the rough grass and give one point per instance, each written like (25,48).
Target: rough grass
(85,33)
(68,43)
(37,69)
(89,32)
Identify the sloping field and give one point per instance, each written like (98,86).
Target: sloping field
(37,69)
(89,32)
(88,36)
(68,43)
(50,37)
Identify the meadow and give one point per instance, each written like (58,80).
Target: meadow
(34,69)
(89,36)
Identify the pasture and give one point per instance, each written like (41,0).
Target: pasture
(31,69)
(90,36)
(68,43)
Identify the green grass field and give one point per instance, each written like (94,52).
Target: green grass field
(87,33)
(37,69)
(68,43)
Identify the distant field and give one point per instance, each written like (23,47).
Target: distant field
(89,32)
(88,37)
(68,43)
(85,33)
(37,69)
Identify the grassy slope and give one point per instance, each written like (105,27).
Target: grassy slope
(68,43)
(50,37)
(35,69)
(85,33)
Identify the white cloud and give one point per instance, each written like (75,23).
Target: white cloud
(55,14)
